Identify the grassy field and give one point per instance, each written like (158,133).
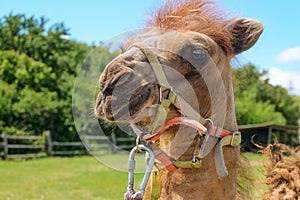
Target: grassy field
(60,179)
(253,186)
(75,178)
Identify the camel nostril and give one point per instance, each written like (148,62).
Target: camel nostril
(106,91)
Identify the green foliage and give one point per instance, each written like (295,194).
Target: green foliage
(35,109)
(38,68)
(284,103)
(37,72)
(28,98)
(258,101)
(22,71)
(296,103)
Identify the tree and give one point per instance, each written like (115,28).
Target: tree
(258,101)
(38,67)
(284,103)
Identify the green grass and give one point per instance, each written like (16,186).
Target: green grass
(60,179)
(77,178)
(253,186)
(254,156)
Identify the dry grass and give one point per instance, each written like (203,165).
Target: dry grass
(283,172)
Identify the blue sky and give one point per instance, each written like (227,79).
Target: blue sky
(278,49)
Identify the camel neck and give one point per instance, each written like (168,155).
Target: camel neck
(179,142)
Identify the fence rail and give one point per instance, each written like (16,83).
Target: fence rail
(24,146)
(9,149)
(12,146)
(21,137)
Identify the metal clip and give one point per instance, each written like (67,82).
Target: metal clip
(207,145)
(131,168)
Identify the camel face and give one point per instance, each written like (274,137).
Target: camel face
(194,43)
(129,91)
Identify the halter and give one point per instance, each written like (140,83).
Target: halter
(214,136)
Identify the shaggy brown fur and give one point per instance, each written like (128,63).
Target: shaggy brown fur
(283,172)
(194,15)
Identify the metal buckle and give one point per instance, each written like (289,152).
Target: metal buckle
(170,95)
(236,139)
(160,94)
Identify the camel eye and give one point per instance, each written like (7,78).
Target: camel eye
(196,55)
(199,54)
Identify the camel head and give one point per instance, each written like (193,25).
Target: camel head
(193,44)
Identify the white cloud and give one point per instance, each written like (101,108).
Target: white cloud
(288,80)
(289,55)
(65,37)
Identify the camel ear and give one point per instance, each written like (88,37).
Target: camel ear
(245,32)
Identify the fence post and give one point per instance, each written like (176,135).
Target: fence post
(113,137)
(269,140)
(5,146)
(48,143)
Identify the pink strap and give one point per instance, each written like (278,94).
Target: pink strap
(218,132)
(212,130)
(175,121)
(163,157)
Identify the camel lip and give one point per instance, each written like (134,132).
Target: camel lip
(122,115)
(117,115)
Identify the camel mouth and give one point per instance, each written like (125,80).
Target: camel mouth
(128,89)
(127,105)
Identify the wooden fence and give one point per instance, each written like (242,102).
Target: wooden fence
(33,145)
(41,146)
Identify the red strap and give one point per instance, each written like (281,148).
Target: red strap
(184,121)
(163,158)
(212,130)
(218,132)
(175,121)
(150,138)
(166,161)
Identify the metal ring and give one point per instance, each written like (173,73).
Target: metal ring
(210,121)
(194,158)
(137,143)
